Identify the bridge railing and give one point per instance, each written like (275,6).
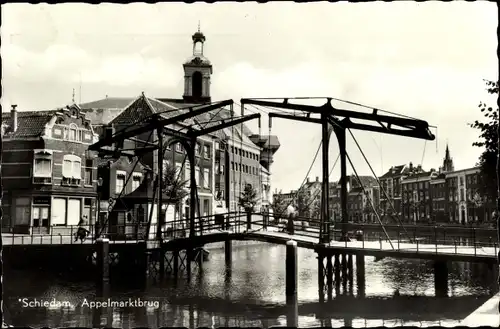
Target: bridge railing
(75,234)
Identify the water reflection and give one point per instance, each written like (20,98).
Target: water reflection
(252,293)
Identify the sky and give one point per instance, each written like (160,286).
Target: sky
(424,60)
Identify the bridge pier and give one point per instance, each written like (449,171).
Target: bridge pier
(162,261)
(441,278)
(291,270)
(291,283)
(337,272)
(360,275)
(188,264)
(321,277)
(176,263)
(344,269)
(102,263)
(350,273)
(329,276)
(228,253)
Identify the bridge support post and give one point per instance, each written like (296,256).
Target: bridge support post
(291,283)
(188,263)
(337,271)
(228,253)
(350,274)
(249,221)
(102,263)
(291,269)
(162,261)
(199,260)
(176,263)
(441,278)
(142,260)
(360,275)
(329,276)
(343,264)
(321,277)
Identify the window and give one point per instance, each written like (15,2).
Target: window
(178,147)
(217,167)
(217,145)
(136,181)
(72,170)
(232,149)
(461,181)
(206,178)
(206,151)
(72,133)
(461,195)
(187,172)
(222,169)
(168,146)
(42,167)
(232,165)
(197,149)
(88,173)
(197,176)
(120,182)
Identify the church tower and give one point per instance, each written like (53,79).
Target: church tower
(197,72)
(447,161)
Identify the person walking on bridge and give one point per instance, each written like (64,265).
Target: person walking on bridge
(82,232)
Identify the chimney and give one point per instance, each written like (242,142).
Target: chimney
(317,179)
(419,168)
(411,166)
(307,179)
(13,114)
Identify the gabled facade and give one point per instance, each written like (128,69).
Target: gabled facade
(49,177)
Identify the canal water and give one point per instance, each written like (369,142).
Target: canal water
(252,293)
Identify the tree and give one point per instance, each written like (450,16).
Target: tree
(303,202)
(172,185)
(279,205)
(488,139)
(248,200)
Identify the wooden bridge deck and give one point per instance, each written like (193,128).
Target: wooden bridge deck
(305,239)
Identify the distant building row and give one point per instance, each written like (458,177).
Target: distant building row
(408,193)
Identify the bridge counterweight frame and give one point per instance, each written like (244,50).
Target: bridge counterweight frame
(108,145)
(415,128)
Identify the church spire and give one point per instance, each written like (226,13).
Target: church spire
(447,161)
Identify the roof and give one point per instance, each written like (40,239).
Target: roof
(141,107)
(366,181)
(419,175)
(394,171)
(108,103)
(29,123)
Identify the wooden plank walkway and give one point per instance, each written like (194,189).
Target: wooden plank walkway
(384,249)
(305,239)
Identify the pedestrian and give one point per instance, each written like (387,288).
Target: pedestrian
(82,232)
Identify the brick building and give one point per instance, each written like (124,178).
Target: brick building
(49,178)
(417,203)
